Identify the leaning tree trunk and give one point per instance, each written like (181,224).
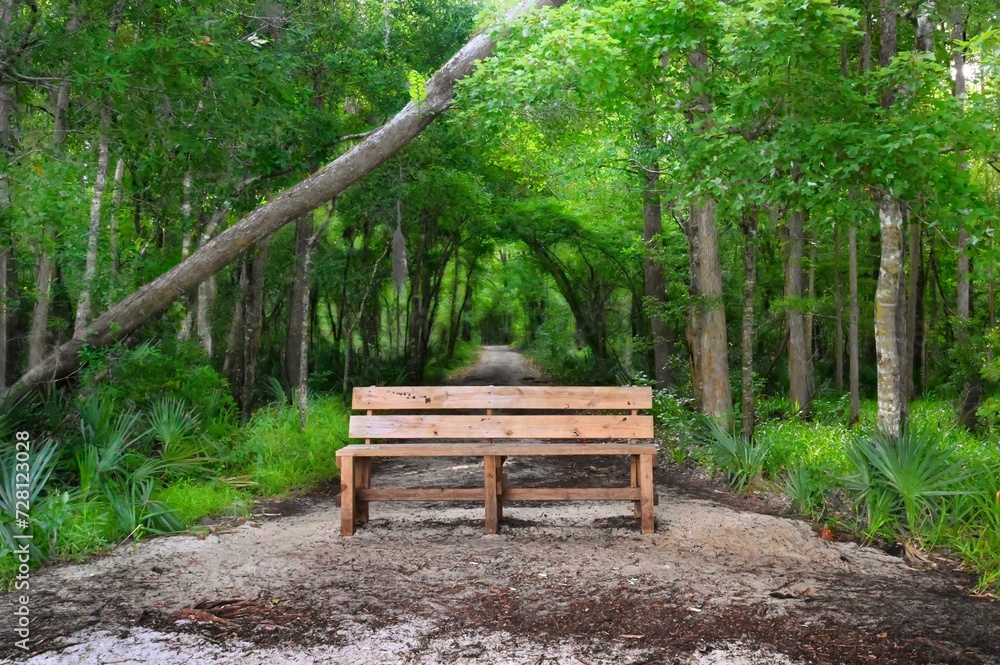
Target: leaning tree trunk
(93,234)
(155,297)
(891,401)
(798,350)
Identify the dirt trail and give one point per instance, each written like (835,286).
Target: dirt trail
(570,582)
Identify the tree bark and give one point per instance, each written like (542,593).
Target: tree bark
(912,306)
(187,324)
(713,363)
(852,341)
(116,202)
(40,317)
(838,303)
(253,312)
(297,309)
(301,387)
(93,234)
(707,330)
(749,291)
(652,227)
(207,289)
(155,297)
(891,401)
(798,351)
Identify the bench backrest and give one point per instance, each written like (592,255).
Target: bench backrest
(545,399)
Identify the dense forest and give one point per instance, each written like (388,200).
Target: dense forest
(781,214)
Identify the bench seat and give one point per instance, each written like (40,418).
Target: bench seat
(444,433)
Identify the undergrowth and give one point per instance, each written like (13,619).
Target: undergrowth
(935,487)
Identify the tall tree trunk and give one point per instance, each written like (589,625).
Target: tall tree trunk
(707,335)
(297,308)
(301,386)
(116,202)
(90,269)
(40,317)
(5,257)
(713,363)
(912,306)
(798,351)
(254,320)
(891,401)
(155,297)
(207,289)
(838,303)
(852,335)
(652,227)
(232,365)
(972,391)
(187,324)
(749,291)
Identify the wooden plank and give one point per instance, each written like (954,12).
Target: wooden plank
(364,481)
(501,427)
(434,449)
(422,494)
(347,496)
(502,397)
(646,491)
(490,484)
(571,494)
(634,480)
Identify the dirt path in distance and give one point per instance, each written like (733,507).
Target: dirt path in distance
(563,582)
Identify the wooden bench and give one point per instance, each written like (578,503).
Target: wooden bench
(442,427)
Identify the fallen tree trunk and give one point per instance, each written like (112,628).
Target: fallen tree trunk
(154,298)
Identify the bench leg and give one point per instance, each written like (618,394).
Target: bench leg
(364,482)
(646,492)
(634,473)
(492,499)
(347,507)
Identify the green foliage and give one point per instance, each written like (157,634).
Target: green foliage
(806,489)
(739,459)
(279,456)
(908,477)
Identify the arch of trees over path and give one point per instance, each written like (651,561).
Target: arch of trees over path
(727,197)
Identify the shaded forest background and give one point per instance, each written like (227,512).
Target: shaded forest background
(782,215)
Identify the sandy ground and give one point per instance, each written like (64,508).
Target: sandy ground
(564,582)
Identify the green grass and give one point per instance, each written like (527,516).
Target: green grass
(193,500)
(278,456)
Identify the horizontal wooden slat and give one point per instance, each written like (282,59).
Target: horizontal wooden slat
(510,494)
(422,494)
(571,494)
(501,427)
(482,449)
(379,398)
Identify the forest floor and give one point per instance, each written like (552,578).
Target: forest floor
(723,580)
